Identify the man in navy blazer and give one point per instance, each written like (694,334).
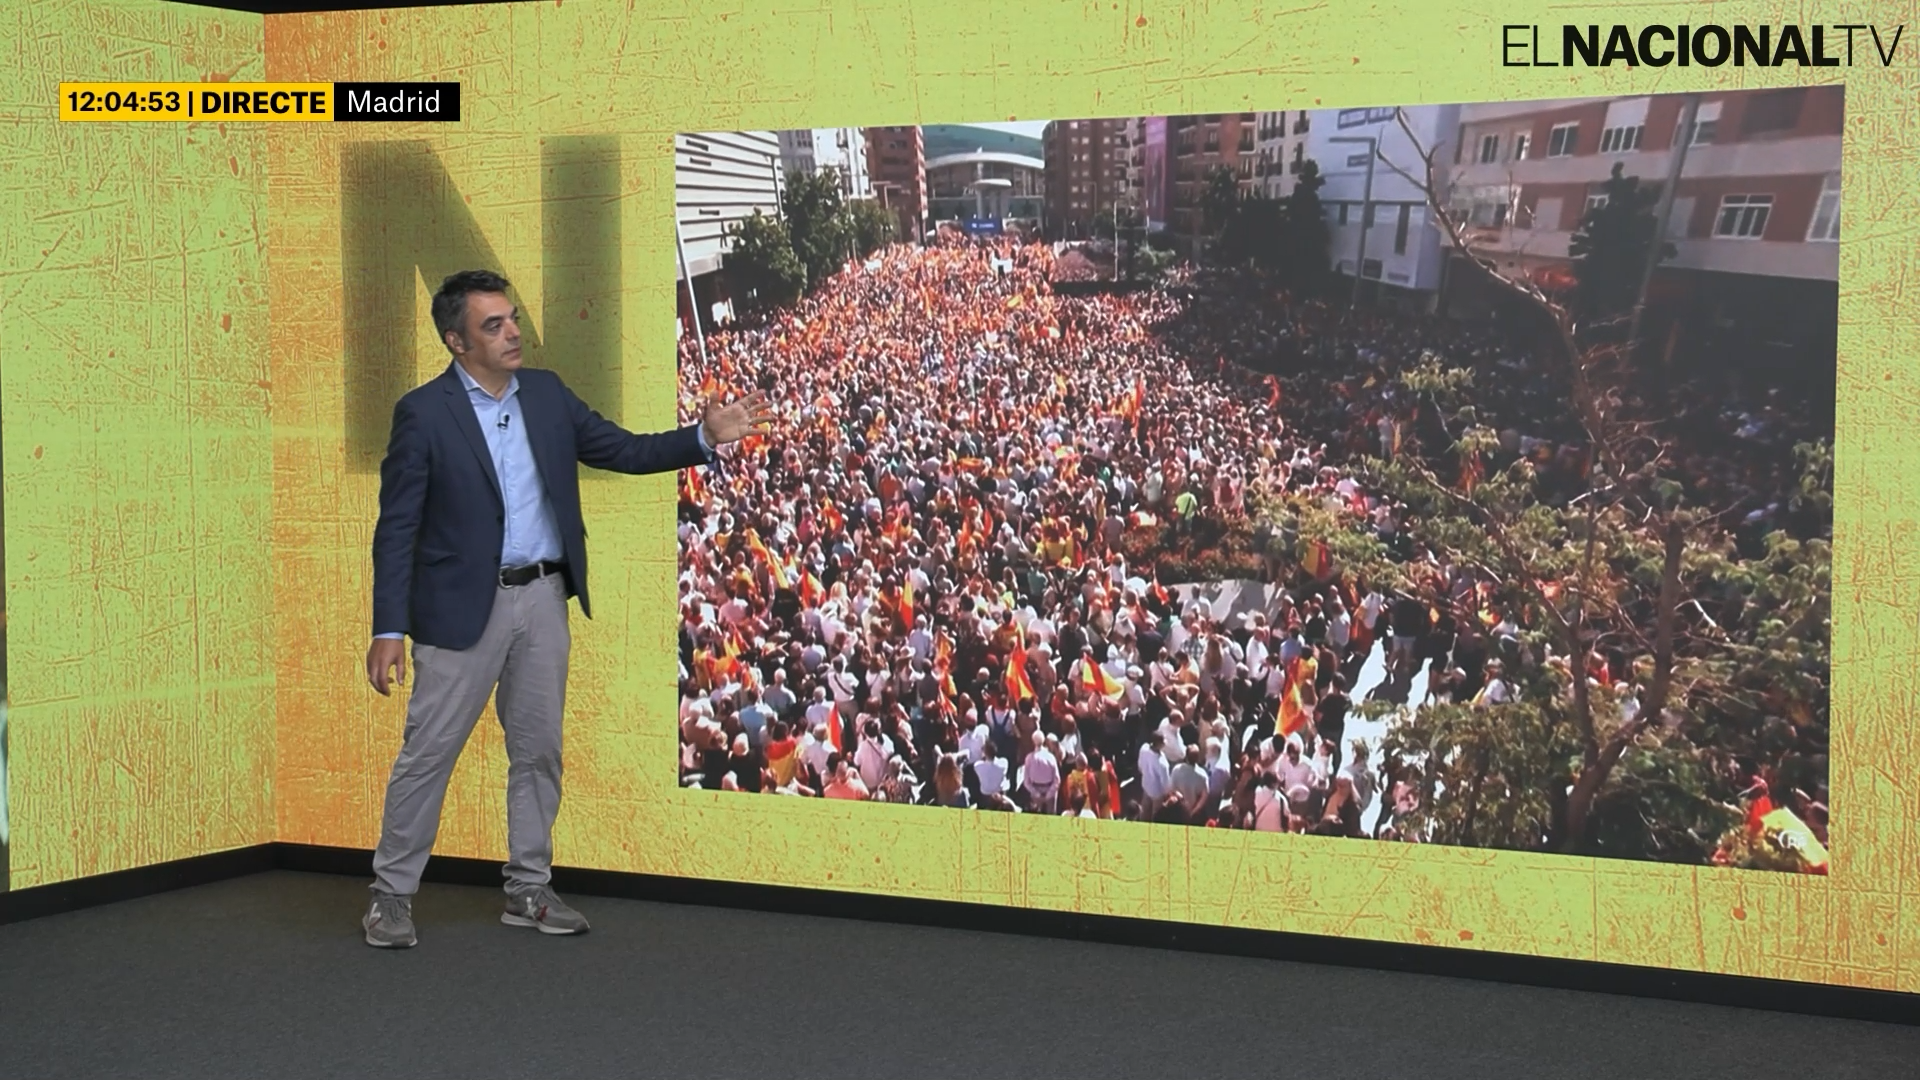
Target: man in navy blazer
(479,545)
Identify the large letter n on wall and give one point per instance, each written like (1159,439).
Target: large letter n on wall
(401,215)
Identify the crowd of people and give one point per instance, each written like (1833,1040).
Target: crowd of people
(919,589)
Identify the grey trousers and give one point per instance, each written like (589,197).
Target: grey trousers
(522,654)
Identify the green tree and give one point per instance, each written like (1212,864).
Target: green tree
(1256,234)
(761,261)
(1609,247)
(1306,241)
(1218,200)
(817,220)
(873,226)
(1130,233)
(1151,263)
(1729,651)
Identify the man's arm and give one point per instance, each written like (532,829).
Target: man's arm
(603,444)
(403,498)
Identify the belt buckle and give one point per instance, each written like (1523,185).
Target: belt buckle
(502,577)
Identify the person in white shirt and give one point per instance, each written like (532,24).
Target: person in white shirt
(920,641)
(1041,777)
(1370,609)
(815,749)
(1219,768)
(1496,691)
(820,713)
(1155,778)
(1190,788)
(1293,771)
(991,771)
(1172,743)
(974,741)
(1269,808)
(1339,627)
(871,758)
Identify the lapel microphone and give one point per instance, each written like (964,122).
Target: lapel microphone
(504,417)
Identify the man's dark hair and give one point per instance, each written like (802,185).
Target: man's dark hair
(450,303)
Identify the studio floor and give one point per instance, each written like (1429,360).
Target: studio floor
(266,976)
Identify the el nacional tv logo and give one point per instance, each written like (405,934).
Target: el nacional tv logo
(1703,45)
(396,101)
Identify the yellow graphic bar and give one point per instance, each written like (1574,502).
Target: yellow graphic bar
(161,101)
(283,102)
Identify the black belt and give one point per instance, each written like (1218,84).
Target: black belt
(514,576)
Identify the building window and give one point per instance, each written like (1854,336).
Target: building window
(1826,213)
(1521,142)
(1706,124)
(1562,140)
(1366,216)
(1400,229)
(1743,217)
(1621,140)
(1594,202)
(1489,149)
(1773,110)
(1343,213)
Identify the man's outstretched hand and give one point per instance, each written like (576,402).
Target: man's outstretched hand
(731,422)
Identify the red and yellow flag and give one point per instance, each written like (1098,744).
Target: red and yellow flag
(1095,680)
(1019,687)
(1293,710)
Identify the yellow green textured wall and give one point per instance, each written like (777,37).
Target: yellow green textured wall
(133,327)
(545,71)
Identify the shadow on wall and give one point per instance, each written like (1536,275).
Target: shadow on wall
(404,218)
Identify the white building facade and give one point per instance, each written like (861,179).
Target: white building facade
(720,178)
(1382,229)
(810,150)
(1281,148)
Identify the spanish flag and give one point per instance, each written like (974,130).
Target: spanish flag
(1095,680)
(906,604)
(811,591)
(1293,711)
(1317,562)
(781,580)
(1019,687)
(1274,398)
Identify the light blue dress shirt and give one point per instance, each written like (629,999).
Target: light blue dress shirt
(531,534)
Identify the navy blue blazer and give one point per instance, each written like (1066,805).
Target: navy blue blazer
(436,547)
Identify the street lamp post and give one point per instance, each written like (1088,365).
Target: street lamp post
(1366,208)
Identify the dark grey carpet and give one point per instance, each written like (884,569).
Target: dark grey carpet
(267,976)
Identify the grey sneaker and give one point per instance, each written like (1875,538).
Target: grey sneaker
(389,922)
(539,908)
